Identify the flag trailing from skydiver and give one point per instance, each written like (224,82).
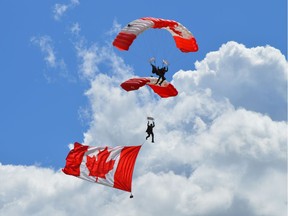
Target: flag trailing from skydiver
(110,166)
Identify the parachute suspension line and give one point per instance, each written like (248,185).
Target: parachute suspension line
(150,112)
(152,40)
(156,44)
(164,49)
(151,47)
(160,43)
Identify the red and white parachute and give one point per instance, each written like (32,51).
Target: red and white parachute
(165,90)
(183,38)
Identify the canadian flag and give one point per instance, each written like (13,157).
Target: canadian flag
(104,165)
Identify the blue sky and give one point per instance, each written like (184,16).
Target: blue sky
(41,113)
(59,75)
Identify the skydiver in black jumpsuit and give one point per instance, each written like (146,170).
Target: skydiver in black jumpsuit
(159,71)
(149,131)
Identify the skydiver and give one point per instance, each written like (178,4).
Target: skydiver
(149,130)
(159,71)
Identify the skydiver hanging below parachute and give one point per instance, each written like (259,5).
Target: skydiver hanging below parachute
(150,127)
(159,71)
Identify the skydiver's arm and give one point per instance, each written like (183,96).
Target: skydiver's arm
(154,69)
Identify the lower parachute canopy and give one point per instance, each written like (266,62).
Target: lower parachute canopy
(164,91)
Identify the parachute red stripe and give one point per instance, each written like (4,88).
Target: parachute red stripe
(124,40)
(161,23)
(164,92)
(134,84)
(186,45)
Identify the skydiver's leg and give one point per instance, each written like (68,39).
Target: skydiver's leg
(152,137)
(147,136)
(163,78)
(158,79)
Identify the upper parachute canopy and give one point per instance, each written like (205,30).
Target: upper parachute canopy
(183,38)
(165,90)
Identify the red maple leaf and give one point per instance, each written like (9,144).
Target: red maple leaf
(98,167)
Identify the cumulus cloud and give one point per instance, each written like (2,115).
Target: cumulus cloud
(218,167)
(60,9)
(211,155)
(200,175)
(42,191)
(253,78)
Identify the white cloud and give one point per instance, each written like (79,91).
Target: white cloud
(210,157)
(90,60)
(60,9)
(253,78)
(116,28)
(75,29)
(46,45)
(92,57)
(218,157)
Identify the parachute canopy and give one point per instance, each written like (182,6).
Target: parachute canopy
(183,38)
(165,90)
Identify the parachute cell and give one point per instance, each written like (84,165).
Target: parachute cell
(165,90)
(183,38)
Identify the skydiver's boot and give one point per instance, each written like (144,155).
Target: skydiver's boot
(161,82)
(157,81)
